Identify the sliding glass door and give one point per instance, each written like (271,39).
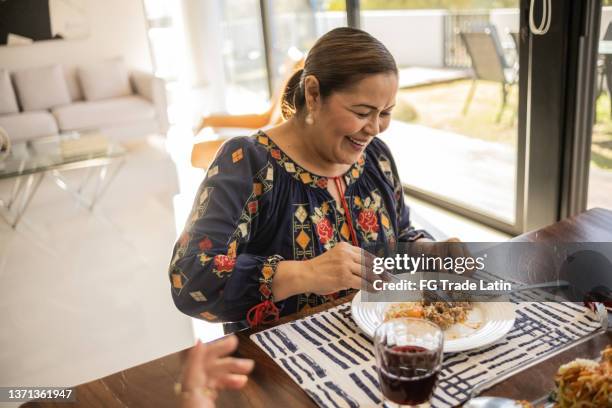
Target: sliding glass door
(600,166)
(456,120)
(291,27)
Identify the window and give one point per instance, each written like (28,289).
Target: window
(456,117)
(600,171)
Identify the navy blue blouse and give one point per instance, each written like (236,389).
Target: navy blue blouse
(257,207)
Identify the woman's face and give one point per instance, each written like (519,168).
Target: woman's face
(348,120)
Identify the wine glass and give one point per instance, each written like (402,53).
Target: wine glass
(408,360)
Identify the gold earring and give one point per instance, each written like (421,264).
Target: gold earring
(309,120)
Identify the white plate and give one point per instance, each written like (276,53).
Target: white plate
(496,320)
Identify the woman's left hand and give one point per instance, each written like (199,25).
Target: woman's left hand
(208,369)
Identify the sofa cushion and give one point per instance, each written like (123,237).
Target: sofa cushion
(41,88)
(72,81)
(104,80)
(8,101)
(28,125)
(108,112)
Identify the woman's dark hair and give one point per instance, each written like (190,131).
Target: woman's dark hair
(338,60)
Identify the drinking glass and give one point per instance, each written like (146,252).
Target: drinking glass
(408,360)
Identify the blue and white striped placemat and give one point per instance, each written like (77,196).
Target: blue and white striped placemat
(333,361)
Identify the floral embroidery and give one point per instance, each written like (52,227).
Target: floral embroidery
(223,264)
(368,221)
(367,218)
(325,230)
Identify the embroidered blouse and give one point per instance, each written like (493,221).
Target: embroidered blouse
(257,207)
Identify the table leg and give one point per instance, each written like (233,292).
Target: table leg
(104,180)
(21,197)
(105,175)
(15,191)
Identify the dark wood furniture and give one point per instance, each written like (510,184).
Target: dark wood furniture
(151,384)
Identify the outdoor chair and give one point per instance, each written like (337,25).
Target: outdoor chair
(515,38)
(488,63)
(604,65)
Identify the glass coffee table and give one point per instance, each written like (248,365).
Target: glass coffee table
(29,162)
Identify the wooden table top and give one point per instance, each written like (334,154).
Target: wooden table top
(151,384)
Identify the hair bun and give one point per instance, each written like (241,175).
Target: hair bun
(291,96)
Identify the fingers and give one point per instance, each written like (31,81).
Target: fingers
(195,358)
(230,381)
(221,348)
(355,282)
(231,365)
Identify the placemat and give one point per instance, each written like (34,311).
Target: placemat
(328,356)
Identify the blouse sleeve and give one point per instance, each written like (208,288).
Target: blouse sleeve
(406,231)
(211,276)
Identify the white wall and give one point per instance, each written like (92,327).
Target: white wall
(117,28)
(606,18)
(506,21)
(414,37)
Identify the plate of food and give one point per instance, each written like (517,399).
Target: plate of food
(466,325)
(585,383)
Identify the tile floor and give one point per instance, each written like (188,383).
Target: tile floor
(86,294)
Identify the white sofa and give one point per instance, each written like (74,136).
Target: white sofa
(105,97)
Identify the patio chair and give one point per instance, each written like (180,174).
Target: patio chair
(488,63)
(515,39)
(606,68)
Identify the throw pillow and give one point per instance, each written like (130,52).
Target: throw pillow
(8,102)
(108,79)
(41,88)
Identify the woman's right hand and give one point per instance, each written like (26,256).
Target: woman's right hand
(342,267)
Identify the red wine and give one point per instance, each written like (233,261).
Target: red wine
(410,376)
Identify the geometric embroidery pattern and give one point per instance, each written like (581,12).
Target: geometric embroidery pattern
(303,239)
(198,296)
(301,174)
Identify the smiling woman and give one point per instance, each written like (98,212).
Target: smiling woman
(281,218)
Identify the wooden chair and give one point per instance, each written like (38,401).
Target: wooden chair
(203,153)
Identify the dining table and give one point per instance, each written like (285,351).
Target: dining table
(151,384)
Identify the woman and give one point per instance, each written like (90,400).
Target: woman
(280,219)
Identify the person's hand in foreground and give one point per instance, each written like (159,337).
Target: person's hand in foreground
(208,369)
